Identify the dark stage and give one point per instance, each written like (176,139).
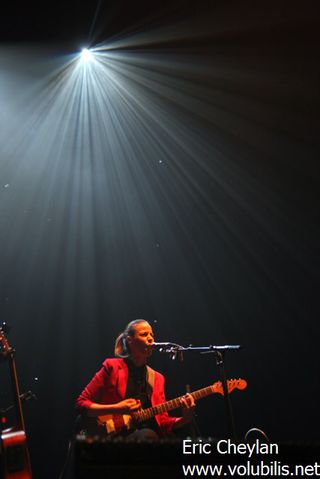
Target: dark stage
(172,176)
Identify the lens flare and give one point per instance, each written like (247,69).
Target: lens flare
(86,55)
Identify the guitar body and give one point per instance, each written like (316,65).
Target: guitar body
(16,463)
(116,423)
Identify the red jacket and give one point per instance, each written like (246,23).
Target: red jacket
(108,386)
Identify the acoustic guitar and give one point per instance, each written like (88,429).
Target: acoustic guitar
(14,450)
(114,424)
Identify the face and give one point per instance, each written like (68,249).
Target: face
(140,344)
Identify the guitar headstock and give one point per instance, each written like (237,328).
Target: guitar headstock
(231,384)
(4,328)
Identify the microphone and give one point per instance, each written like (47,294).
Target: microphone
(161,345)
(28,395)
(172,349)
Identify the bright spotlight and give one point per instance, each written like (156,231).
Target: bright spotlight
(86,55)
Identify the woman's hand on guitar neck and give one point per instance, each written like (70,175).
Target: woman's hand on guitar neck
(188,406)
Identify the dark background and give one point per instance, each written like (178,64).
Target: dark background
(189,198)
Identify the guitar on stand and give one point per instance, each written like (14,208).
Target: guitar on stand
(13,448)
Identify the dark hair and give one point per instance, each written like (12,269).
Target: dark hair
(121,349)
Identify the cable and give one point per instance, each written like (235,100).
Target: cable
(255,429)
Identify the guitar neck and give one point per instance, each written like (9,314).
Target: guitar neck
(150,412)
(16,391)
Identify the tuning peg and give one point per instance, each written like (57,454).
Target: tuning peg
(5,327)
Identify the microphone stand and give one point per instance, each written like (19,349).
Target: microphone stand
(175,350)
(3,411)
(219,353)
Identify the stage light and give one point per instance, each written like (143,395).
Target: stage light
(86,55)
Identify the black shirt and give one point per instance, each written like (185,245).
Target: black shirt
(138,388)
